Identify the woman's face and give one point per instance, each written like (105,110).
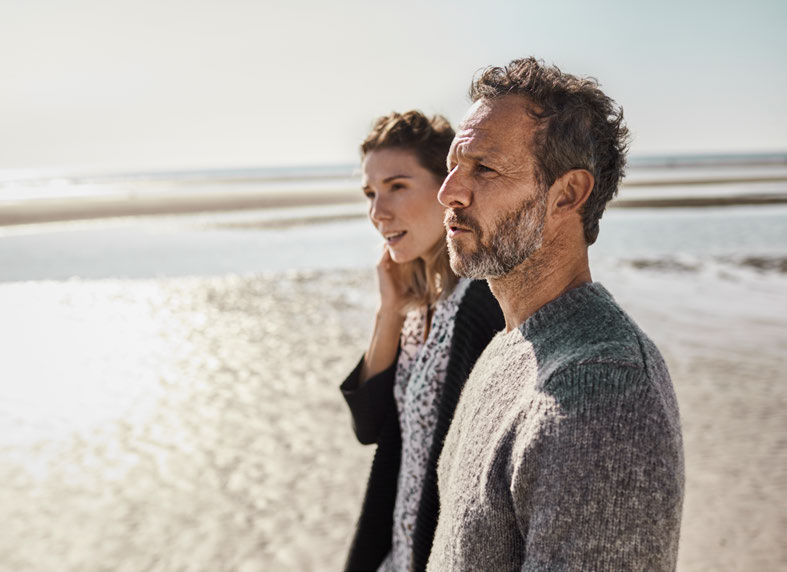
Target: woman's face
(402,202)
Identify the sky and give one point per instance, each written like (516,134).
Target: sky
(174,84)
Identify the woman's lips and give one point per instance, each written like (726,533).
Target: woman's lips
(392,238)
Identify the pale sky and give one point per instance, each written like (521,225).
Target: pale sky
(165,84)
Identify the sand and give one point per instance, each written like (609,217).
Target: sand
(195,423)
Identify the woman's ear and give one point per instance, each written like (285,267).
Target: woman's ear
(571,191)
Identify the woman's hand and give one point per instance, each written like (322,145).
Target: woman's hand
(389,319)
(393,295)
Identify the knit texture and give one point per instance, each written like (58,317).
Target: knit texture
(565,450)
(375,420)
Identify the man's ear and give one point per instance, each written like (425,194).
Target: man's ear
(571,191)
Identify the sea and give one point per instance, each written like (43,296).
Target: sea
(727,208)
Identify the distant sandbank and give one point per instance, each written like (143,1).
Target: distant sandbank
(652,195)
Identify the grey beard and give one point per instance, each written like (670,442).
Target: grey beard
(515,238)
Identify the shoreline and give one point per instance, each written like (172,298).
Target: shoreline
(59,210)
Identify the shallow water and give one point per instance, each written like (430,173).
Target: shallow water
(340,237)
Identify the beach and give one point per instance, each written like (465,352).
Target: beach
(179,410)
(188,269)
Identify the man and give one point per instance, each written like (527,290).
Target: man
(565,452)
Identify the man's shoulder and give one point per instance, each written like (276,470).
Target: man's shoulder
(596,330)
(596,340)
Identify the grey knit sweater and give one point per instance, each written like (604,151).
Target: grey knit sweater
(565,451)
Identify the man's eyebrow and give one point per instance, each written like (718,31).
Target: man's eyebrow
(478,155)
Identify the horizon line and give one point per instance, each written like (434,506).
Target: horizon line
(342,170)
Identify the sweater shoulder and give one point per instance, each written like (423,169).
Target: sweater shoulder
(597,332)
(598,353)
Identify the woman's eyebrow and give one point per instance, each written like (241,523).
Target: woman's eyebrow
(392,177)
(385,181)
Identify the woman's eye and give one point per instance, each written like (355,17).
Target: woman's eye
(397,186)
(369,194)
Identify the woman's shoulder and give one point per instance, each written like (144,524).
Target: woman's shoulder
(478,292)
(477,285)
(478,302)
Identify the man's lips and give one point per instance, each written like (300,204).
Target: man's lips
(457,231)
(455,228)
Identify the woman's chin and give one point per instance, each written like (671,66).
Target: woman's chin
(400,257)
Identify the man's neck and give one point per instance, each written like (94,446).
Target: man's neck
(537,281)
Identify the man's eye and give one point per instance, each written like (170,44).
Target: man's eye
(369,194)
(484,169)
(397,186)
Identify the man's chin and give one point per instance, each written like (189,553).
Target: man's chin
(476,264)
(465,266)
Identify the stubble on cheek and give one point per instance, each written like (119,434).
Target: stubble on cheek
(513,239)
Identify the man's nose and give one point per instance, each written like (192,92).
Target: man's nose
(455,193)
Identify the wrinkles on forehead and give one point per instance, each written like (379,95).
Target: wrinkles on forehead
(498,131)
(478,146)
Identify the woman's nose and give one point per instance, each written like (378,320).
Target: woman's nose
(454,192)
(379,210)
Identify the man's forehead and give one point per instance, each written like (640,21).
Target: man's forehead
(493,126)
(476,116)
(478,143)
(510,110)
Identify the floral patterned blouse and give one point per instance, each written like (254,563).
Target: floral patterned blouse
(420,374)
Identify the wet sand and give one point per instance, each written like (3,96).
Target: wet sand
(195,423)
(119,205)
(171,197)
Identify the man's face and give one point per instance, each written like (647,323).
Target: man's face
(495,208)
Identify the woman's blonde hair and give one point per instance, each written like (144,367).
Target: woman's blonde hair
(429,278)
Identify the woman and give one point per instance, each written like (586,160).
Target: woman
(429,329)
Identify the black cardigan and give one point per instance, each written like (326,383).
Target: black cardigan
(375,420)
